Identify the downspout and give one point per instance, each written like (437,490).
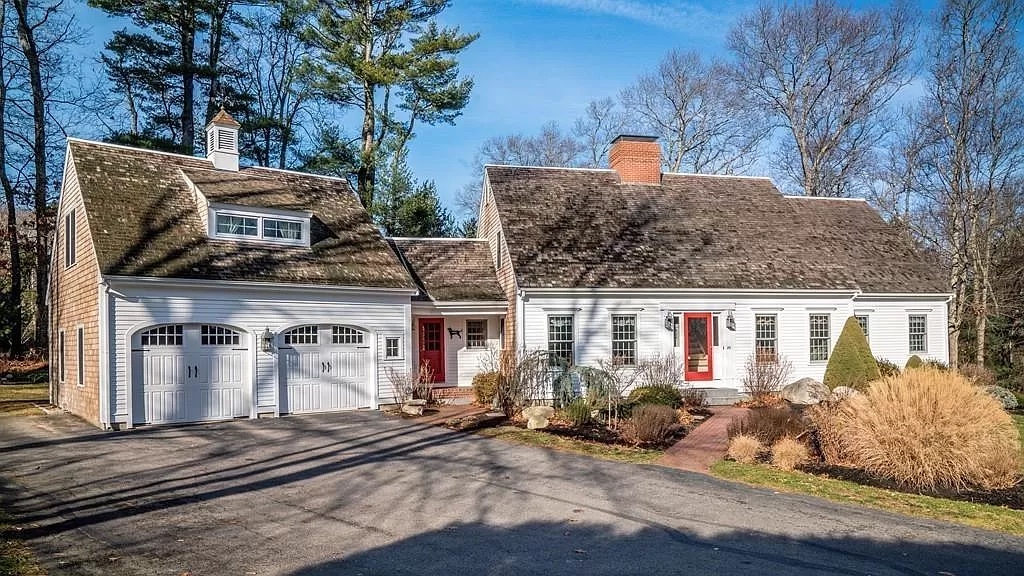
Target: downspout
(104,353)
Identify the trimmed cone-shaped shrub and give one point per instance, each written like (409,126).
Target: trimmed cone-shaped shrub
(744,449)
(913,362)
(928,429)
(851,363)
(788,453)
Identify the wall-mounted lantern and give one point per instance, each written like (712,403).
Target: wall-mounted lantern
(267,340)
(730,321)
(669,321)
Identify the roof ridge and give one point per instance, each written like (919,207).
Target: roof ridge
(576,168)
(716,175)
(803,197)
(137,149)
(297,173)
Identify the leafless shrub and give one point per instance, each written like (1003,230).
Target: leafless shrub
(659,370)
(607,386)
(524,377)
(652,423)
(412,385)
(745,449)
(929,429)
(788,453)
(764,375)
(768,425)
(978,374)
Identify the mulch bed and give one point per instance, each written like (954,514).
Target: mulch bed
(599,432)
(1012,497)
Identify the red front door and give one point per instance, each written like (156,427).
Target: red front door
(697,350)
(432,346)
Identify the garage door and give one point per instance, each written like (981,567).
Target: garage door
(189,373)
(325,368)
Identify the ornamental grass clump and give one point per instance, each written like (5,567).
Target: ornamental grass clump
(653,423)
(788,453)
(932,430)
(744,449)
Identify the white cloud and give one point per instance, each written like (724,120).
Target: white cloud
(666,14)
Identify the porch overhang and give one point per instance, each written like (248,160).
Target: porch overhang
(469,308)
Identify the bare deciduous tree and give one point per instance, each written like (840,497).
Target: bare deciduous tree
(972,148)
(601,122)
(692,107)
(826,74)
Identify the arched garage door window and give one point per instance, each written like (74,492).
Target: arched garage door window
(210,335)
(302,335)
(170,335)
(346,335)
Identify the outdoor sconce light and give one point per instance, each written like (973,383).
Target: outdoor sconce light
(730,321)
(267,339)
(669,323)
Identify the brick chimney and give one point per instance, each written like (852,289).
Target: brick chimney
(637,159)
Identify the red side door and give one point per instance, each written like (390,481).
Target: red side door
(432,346)
(698,360)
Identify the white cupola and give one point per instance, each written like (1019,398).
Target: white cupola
(222,141)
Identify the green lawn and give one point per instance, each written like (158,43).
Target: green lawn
(19,399)
(595,449)
(977,515)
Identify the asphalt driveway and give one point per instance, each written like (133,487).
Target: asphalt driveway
(360,493)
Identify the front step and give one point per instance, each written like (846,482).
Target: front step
(455,395)
(721,396)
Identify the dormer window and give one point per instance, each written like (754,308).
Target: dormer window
(253,224)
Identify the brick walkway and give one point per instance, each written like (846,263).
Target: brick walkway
(708,443)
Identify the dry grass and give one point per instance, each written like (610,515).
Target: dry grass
(788,453)
(744,449)
(929,429)
(826,430)
(15,558)
(768,424)
(20,399)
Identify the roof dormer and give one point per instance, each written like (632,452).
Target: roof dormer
(222,141)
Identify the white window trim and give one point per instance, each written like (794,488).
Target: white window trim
(547,334)
(80,356)
(611,336)
(401,349)
(486,330)
(810,337)
(260,216)
(925,340)
(70,239)
(62,344)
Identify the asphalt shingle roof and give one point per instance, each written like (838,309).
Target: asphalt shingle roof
(451,269)
(582,228)
(145,221)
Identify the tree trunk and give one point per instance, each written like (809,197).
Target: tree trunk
(367,176)
(188,77)
(26,38)
(14,297)
(218,13)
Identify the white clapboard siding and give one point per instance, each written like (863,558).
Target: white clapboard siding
(251,309)
(888,326)
(462,363)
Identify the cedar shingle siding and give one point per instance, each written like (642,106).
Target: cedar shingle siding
(582,228)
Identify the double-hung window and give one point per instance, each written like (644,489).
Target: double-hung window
(392,347)
(624,339)
(862,319)
(476,333)
(766,337)
(821,338)
(561,339)
(918,328)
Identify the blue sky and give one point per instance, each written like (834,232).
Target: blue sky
(542,60)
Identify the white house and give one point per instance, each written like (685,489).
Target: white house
(629,262)
(188,289)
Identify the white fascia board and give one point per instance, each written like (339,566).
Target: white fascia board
(905,296)
(460,308)
(258,210)
(202,283)
(683,292)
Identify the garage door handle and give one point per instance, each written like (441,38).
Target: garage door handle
(328,366)
(197,370)
(189,371)
(323,367)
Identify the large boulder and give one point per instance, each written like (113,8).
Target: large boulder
(805,391)
(537,416)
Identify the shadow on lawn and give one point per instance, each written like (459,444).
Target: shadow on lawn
(575,547)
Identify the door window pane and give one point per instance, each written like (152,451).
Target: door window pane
(698,356)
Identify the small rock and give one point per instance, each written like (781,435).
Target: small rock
(805,391)
(413,409)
